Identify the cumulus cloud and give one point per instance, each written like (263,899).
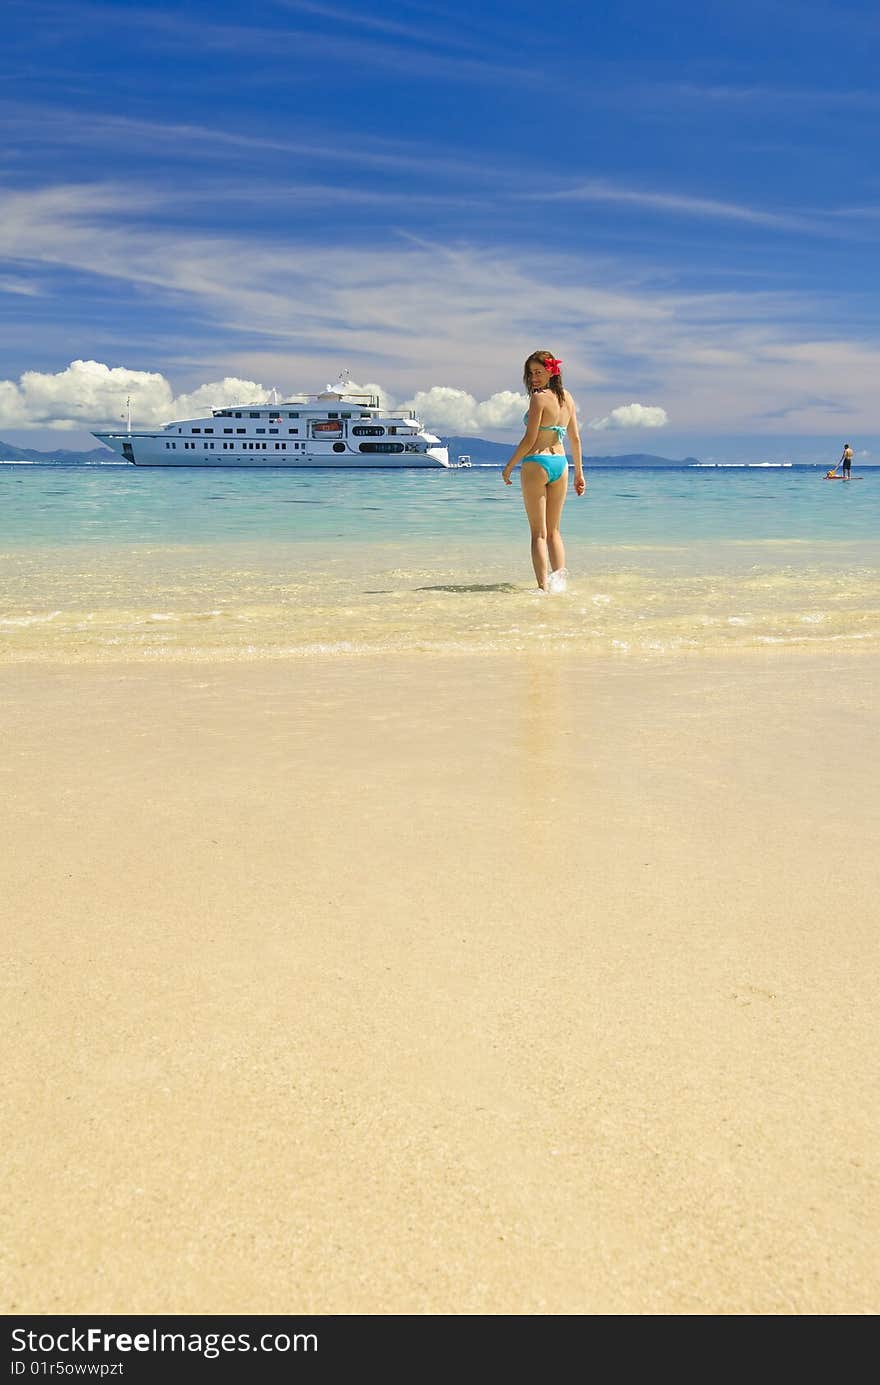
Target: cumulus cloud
(633,416)
(88,394)
(386,401)
(451,410)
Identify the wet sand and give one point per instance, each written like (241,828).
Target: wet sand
(461,985)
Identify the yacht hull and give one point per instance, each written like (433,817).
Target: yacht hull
(147,451)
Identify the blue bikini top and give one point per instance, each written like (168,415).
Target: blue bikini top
(558,428)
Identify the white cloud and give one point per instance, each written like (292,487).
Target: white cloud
(88,394)
(386,400)
(633,416)
(596,190)
(450,410)
(24,287)
(219,394)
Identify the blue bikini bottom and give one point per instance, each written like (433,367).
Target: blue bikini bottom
(553,463)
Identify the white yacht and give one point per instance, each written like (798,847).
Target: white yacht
(333,429)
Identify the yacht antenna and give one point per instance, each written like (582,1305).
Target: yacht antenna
(128,406)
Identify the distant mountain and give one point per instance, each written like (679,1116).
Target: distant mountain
(496,454)
(60,457)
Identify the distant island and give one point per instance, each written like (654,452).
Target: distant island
(482,452)
(100,456)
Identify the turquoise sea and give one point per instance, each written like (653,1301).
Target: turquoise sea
(113,563)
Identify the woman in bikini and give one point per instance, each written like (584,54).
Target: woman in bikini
(544,470)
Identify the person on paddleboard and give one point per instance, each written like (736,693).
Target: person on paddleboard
(846,461)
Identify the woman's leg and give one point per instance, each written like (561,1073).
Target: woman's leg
(556,492)
(533,479)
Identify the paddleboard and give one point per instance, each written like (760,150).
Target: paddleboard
(843,478)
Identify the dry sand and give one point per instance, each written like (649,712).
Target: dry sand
(442,986)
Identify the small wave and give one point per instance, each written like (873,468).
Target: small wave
(30,620)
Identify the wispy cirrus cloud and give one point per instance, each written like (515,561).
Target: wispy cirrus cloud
(450,36)
(32,125)
(175,30)
(598,190)
(760,96)
(24,288)
(462,314)
(794,411)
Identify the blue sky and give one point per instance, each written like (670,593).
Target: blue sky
(681,201)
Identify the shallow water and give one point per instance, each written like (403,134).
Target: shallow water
(110,564)
(68,505)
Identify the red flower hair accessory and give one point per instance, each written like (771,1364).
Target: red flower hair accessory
(552,365)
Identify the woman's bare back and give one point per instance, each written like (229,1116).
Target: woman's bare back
(555,415)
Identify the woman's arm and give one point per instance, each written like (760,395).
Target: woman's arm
(529,441)
(574,438)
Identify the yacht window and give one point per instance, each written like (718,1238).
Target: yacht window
(240,430)
(273,430)
(253,414)
(238,415)
(381,447)
(196,430)
(293,430)
(227,430)
(360,431)
(293,415)
(260,430)
(209,430)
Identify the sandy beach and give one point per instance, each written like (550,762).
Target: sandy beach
(460,985)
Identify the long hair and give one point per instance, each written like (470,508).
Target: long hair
(541,358)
